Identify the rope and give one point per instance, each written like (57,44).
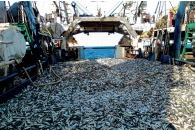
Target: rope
(159,15)
(120,10)
(156,8)
(191,69)
(172,6)
(41,66)
(145,77)
(158,11)
(112,84)
(43,84)
(112,8)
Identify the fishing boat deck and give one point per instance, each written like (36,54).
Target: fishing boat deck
(105,93)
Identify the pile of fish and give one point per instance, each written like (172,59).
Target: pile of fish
(92,95)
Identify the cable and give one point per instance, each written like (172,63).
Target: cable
(111,9)
(134,16)
(191,69)
(145,77)
(121,10)
(43,84)
(156,8)
(84,8)
(134,19)
(172,6)
(41,66)
(115,8)
(158,11)
(161,10)
(112,84)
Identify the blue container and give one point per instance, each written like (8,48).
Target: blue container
(189,45)
(151,57)
(165,59)
(99,53)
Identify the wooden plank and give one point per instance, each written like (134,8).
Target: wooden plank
(132,55)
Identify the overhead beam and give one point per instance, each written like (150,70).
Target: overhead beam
(100,20)
(109,31)
(56,4)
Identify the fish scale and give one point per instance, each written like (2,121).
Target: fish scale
(153,102)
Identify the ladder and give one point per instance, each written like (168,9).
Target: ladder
(188,52)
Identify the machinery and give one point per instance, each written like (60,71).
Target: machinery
(12,42)
(12,46)
(55,29)
(125,41)
(19,46)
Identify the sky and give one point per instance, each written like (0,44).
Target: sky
(105,5)
(99,39)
